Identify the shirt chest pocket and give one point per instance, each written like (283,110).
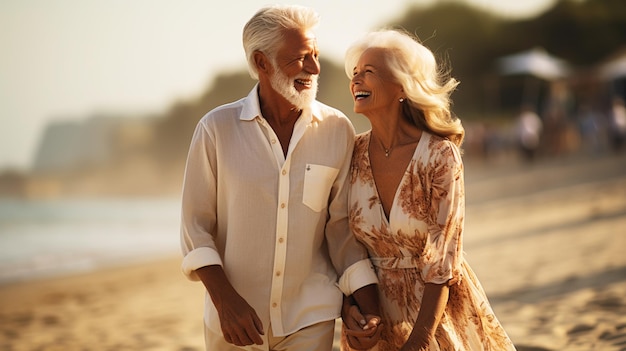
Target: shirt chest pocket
(318,180)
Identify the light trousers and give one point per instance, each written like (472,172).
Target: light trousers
(317,337)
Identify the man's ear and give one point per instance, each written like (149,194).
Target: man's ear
(262,62)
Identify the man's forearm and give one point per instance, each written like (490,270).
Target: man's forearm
(215,281)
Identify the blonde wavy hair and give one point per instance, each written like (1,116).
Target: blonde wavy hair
(426,84)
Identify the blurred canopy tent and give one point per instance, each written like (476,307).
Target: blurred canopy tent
(613,72)
(533,69)
(615,67)
(535,62)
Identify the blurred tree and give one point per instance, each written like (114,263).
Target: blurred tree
(175,128)
(583,32)
(13,183)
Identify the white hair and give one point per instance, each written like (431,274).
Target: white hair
(265,30)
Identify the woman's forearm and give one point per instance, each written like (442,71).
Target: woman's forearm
(433,305)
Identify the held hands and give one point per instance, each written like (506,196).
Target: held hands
(362,331)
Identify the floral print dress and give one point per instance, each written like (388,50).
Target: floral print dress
(421,242)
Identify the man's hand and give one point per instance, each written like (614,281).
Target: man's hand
(240,324)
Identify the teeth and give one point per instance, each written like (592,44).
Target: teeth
(303,82)
(361,94)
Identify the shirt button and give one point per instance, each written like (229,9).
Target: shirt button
(282,205)
(281,240)
(273,141)
(284,172)
(274,304)
(278,273)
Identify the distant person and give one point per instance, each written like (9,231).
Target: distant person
(407,202)
(528,133)
(264,203)
(590,126)
(617,125)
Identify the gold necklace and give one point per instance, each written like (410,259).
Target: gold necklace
(387,150)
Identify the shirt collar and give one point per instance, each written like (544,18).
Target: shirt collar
(252,108)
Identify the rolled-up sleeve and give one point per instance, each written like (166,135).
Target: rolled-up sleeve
(357,276)
(349,256)
(199,208)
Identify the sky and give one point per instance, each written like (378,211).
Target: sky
(66,60)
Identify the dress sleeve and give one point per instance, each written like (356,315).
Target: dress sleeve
(442,256)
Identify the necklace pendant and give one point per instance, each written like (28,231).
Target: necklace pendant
(387,152)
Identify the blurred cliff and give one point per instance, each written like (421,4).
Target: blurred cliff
(567,65)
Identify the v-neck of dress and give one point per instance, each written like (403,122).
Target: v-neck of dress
(387,220)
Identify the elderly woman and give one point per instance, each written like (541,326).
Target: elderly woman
(407,204)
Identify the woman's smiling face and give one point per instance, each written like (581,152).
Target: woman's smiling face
(373,87)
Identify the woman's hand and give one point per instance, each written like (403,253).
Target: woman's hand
(412,347)
(418,341)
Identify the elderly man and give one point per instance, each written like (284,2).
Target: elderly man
(264,206)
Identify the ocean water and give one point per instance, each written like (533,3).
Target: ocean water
(63,236)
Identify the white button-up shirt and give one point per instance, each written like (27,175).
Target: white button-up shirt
(278,225)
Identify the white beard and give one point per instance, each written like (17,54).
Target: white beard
(284,86)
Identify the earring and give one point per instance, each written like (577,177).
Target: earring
(401,100)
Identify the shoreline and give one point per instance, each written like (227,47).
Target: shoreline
(68,271)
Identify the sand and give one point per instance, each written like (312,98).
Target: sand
(547,242)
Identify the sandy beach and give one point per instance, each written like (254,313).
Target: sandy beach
(546,240)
